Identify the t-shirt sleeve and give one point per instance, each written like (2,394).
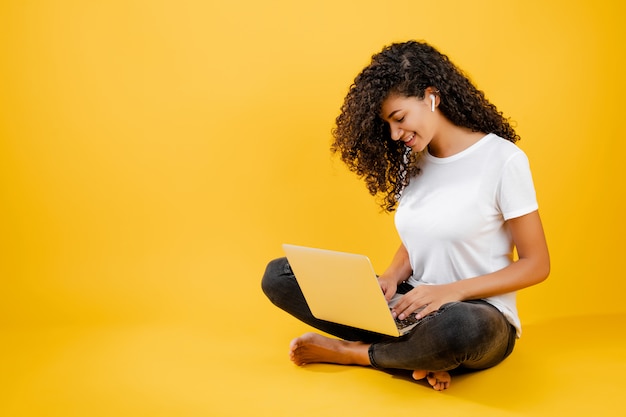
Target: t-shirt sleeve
(516,194)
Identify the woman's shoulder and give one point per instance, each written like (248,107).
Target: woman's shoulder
(501,146)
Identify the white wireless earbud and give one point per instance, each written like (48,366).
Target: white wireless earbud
(432,102)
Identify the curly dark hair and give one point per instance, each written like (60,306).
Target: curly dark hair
(362,138)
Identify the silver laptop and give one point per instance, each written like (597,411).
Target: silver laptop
(343,288)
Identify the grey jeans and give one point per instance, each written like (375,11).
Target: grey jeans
(468,335)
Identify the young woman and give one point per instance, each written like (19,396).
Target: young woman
(427,141)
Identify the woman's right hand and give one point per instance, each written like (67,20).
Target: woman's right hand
(398,271)
(389,287)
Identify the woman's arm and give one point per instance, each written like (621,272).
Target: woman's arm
(532,267)
(398,271)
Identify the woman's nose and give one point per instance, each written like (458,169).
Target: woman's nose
(396,133)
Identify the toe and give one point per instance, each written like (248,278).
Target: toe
(417,375)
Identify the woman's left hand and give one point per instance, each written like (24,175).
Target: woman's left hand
(428,298)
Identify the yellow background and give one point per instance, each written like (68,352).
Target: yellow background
(155,154)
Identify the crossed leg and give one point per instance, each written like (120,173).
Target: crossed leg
(315,348)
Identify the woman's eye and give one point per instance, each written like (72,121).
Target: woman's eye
(400,120)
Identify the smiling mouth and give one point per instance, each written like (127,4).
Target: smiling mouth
(409,139)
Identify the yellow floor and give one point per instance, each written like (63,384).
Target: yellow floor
(568,367)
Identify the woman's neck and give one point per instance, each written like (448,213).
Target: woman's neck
(453,139)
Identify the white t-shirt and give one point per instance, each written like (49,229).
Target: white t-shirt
(451,217)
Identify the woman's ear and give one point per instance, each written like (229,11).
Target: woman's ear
(433,95)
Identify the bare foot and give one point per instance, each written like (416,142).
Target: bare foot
(438,380)
(315,348)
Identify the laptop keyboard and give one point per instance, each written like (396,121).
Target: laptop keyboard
(406,322)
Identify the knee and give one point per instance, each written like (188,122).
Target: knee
(470,326)
(274,275)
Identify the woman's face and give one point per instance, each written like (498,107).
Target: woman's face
(410,120)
